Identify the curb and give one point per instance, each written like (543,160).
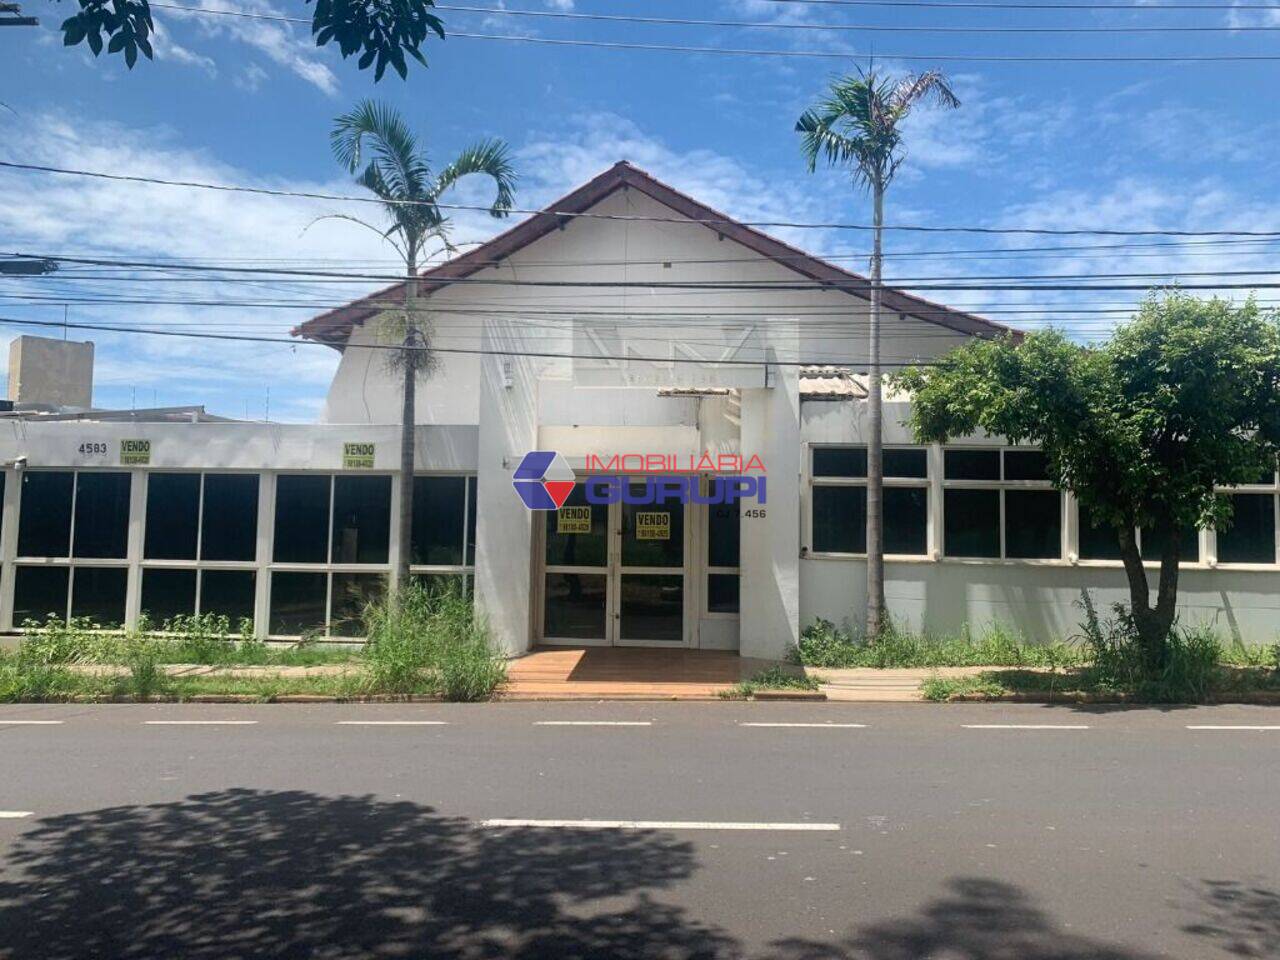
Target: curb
(1262,699)
(811,695)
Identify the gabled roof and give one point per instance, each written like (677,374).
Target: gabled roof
(334,326)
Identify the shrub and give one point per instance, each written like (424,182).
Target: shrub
(430,641)
(146,677)
(79,640)
(773,678)
(822,644)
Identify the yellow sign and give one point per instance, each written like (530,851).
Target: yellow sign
(573,520)
(135,453)
(653,526)
(357,456)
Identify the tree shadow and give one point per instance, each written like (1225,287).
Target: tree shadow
(981,919)
(1241,918)
(260,874)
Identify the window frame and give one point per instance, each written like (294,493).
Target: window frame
(1002,486)
(919,483)
(1271,489)
(708,570)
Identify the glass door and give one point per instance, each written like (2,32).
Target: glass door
(576,577)
(649,575)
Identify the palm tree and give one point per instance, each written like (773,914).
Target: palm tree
(375,136)
(857,125)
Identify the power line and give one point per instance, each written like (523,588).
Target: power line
(824,27)
(1138,5)
(806,54)
(706,221)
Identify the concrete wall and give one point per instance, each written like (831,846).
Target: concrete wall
(56,372)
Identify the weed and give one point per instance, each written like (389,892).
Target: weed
(773,678)
(822,644)
(951,688)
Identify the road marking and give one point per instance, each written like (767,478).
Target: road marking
(593,723)
(659,825)
(849,726)
(1212,726)
(392,723)
(29,723)
(199,723)
(1025,726)
(14,814)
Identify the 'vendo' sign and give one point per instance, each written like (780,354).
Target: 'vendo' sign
(573,520)
(357,456)
(653,526)
(136,453)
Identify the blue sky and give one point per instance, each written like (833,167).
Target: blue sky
(234,100)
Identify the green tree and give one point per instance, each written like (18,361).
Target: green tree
(374,140)
(857,125)
(381,31)
(1142,428)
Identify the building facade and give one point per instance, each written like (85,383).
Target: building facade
(631,331)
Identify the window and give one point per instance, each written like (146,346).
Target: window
(298,603)
(167,594)
(302,518)
(1251,538)
(229,524)
(352,592)
(173,515)
(724,535)
(228,593)
(838,504)
(444,527)
(361,520)
(65,519)
(1101,542)
(1000,504)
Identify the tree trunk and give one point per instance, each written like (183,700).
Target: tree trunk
(409,367)
(875,452)
(1152,624)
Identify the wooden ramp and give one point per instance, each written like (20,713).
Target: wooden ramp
(621,673)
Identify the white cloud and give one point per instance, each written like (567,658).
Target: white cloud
(287,45)
(565,5)
(166,48)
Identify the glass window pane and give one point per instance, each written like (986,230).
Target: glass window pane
(298,603)
(839,461)
(1097,543)
(567,543)
(352,592)
(906,517)
(167,594)
(438,519)
(962,464)
(724,534)
(228,593)
(1025,465)
(1251,537)
(652,534)
(97,593)
(472,491)
(1033,524)
(102,515)
(44,526)
(173,516)
(1189,552)
(302,518)
(722,593)
(574,606)
(229,528)
(906,463)
(39,592)
(651,607)
(839,519)
(972,523)
(361,519)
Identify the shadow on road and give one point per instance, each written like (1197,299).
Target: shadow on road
(250,875)
(1241,918)
(257,874)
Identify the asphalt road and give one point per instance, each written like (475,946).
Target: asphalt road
(1119,834)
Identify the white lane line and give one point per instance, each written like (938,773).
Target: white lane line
(1224,726)
(1025,726)
(392,723)
(593,723)
(199,723)
(834,726)
(659,825)
(14,814)
(29,723)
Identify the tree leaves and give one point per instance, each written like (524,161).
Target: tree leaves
(383,32)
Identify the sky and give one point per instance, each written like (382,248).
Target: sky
(1052,144)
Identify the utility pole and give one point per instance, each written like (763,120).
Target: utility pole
(10,16)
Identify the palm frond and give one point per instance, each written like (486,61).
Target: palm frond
(491,158)
(930,85)
(379,128)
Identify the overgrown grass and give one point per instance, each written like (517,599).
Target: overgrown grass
(774,678)
(430,641)
(823,644)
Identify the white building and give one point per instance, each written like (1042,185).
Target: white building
(626,320)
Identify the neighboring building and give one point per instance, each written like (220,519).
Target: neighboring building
(698,353)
